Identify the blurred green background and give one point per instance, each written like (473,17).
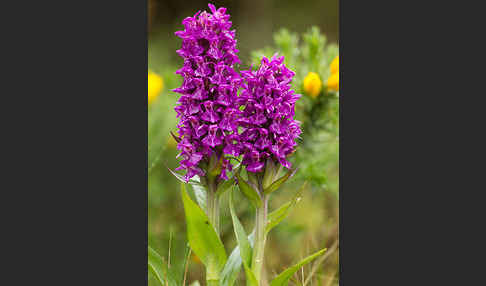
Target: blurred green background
(313,223)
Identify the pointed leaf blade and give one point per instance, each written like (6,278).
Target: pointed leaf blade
(250,277)
(202,237)
(200,193)
(182,179)
(275,217)
(249,191)
(241,237)
(283,278)
(233,265)
(275,185)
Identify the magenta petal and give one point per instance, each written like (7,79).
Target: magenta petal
(255,167)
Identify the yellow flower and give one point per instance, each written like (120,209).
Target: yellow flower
(333,80)
(312,84)
(155,85)
(335,65)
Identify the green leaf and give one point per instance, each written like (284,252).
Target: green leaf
(241,238)
(197,186)
(202,237)
(250,277)
(200,193)
(231,269)
(223,187)
(243,243)
(269,175)
(275,185)
(275,217)
(159,268)
(195,283)
(249,191)
(283,278)
(181,178)
(233,265)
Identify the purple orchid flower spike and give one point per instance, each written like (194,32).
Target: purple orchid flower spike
(267,139)
(208,108)
(270,130)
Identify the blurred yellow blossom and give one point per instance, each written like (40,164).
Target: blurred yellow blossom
(333,80)
(335,65)
(155,85)
(312,84)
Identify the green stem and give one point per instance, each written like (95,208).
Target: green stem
(260,238)
(212,204)
(213,207)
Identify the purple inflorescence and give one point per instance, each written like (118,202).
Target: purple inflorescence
(269,128)
(208,108)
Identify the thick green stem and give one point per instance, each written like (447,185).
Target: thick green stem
(212,205)
(212,275)
(260,238)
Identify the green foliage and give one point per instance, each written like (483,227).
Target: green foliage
(200,192)
(233,265)
(283,278)
(275,217)
(278,183)
(159,269)
(158,130)
(250,276)
(202,237)
(241,237)
(249,190)
(270,173)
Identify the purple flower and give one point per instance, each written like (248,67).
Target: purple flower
(268,116)
(208,107)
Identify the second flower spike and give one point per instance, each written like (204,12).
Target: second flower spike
(269,128)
